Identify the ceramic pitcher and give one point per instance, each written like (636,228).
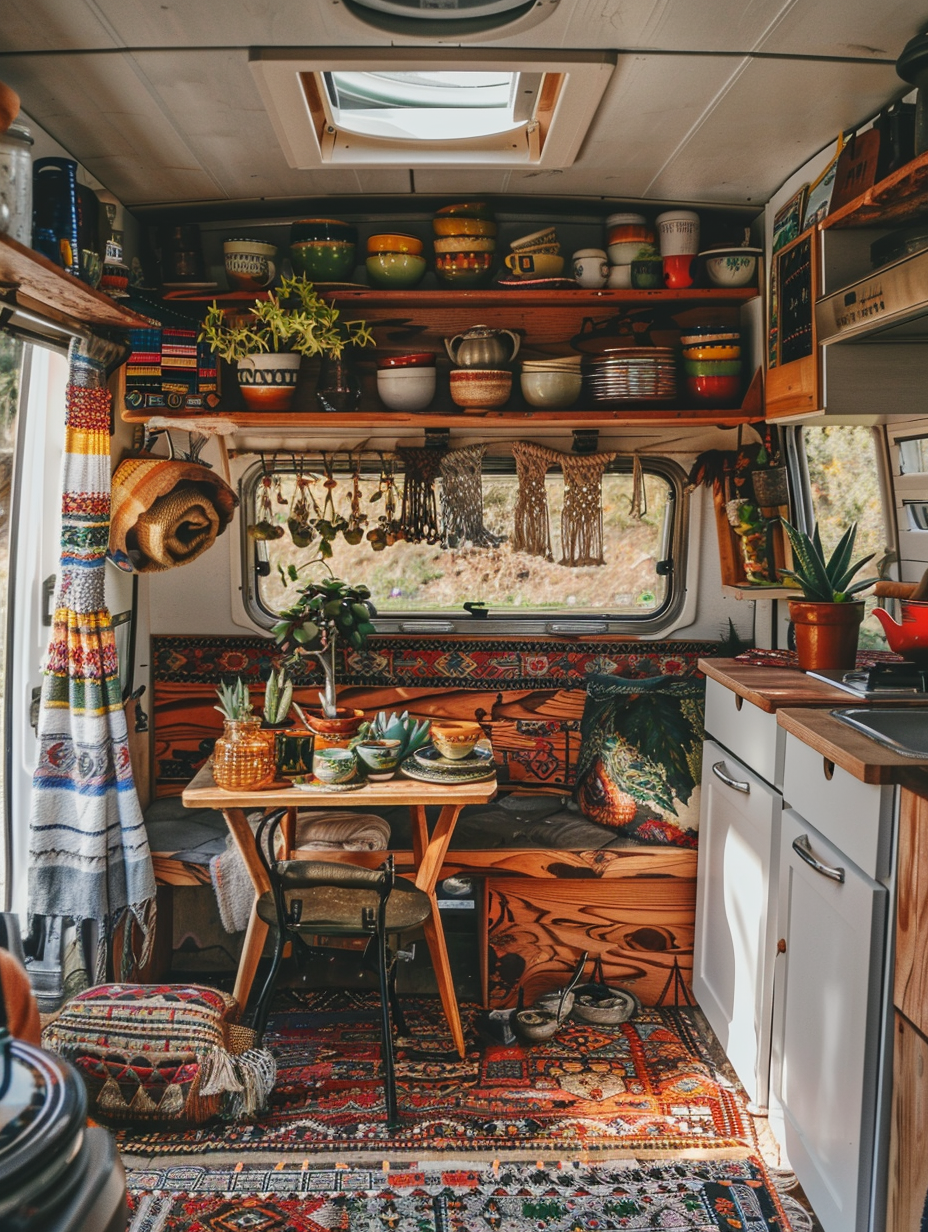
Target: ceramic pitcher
(483,347)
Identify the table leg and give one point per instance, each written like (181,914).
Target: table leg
(257,929)
(430,855)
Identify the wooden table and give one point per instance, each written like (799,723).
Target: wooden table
(428,853)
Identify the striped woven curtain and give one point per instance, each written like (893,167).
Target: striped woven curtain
(89,858)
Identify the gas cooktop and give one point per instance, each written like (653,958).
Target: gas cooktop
(882,680)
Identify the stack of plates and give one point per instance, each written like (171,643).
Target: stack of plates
(428,765)
(632,374)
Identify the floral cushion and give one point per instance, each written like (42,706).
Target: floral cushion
(640,759)
(164,1052)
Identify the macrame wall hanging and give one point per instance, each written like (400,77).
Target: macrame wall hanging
(582,515)
(421,468)
(532,531)
(462,499)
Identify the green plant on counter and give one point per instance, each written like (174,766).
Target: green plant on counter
(234,701)
(294,318)
(278,697)
(824,581)
(324,612)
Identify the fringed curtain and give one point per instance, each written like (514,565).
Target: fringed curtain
(89,857)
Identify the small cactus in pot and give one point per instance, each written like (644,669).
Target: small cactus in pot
(278,698)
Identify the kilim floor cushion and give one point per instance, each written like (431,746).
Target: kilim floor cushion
(699,1195)
(649,1085)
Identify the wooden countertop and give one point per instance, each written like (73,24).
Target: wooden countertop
(854,752)
(773,687)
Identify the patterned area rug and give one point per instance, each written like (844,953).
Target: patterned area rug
(646,1086)
(699,1195)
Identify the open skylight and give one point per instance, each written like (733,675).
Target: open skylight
(430,108)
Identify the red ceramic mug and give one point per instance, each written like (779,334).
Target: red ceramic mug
(678,271)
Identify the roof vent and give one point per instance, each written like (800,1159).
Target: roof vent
(444,18)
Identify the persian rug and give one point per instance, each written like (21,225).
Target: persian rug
(645,1086)
(699,1195)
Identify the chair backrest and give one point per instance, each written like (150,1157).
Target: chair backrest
(324,895)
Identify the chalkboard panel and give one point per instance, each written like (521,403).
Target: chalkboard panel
(795,301)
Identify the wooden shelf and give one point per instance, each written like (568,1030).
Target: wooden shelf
(43,287)
(762,592)
(899,198)
(491,297)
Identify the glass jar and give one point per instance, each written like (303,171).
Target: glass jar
(337,390)
(244,759)
(16,184)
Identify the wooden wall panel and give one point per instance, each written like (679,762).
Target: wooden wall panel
(640,926)
(910,993)
(908,1159)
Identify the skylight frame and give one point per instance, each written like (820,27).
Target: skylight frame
(293,89)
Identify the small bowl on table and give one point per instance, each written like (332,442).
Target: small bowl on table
(455,739)
(334,765)
(378,759)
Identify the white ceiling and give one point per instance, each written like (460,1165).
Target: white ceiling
(716,101)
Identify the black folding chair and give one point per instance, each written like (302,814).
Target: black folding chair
(322,898)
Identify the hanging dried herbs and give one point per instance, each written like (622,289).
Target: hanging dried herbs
(265,528)
(388,529)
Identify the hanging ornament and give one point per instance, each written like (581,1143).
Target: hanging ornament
(388,529)
(299,522)
(462,499)
(357,519)
(420,509)
(532,531)
(330,522)
(582,515)
(265,527)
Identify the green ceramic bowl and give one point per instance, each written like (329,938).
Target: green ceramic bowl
(395,271)
(712,367)
(323,260)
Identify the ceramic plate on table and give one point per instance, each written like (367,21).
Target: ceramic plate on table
(480,759)
(428,774)
(310,783)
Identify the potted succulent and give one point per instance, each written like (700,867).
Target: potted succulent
(269,343)
(827,618)
(243,759)
(324,612)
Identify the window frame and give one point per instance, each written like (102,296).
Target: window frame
(655,624)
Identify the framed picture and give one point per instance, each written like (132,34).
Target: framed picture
(787,222)
(818,199)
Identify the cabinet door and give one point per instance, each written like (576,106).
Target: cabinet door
(826,1031)
(736,913)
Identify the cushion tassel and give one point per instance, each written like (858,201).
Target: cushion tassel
(111,1097)
(172,1101)
(142,1104)
(218,1073)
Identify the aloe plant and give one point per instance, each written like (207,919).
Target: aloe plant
(278,696)
(234,701)
(412,734)
(824,581)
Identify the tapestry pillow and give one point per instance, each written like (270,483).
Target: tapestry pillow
(161,1053)
(640,758)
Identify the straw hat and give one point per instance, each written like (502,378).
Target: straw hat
(166,513)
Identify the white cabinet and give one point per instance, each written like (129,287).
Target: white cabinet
(828,1023)
(747,731)
(735,940)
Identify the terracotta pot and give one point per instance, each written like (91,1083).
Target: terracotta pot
(826,634)
(334,733)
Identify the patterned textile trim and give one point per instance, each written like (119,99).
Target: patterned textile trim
(164,1052)
(430,662)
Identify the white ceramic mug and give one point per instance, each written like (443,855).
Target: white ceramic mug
(678,231)
(249,264)
(591,269)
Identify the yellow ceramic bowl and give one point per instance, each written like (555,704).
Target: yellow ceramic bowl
(535,264)
(455,739)
(463,226)
(712,352)
(395,242)
(465,243)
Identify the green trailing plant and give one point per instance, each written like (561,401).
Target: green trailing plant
(412,734)
(278,697)
(234,701)
(294,318)
(821,580)
(324,612)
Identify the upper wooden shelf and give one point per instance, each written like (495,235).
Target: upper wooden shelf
(45,288)
(899,198)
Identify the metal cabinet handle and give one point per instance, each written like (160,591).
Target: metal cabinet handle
(718,770)
(803,850)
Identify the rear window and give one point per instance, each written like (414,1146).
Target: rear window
(634,584)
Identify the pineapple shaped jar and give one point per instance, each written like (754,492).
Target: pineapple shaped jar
(243,759)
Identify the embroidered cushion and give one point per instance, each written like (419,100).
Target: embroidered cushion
(164,1052)
(640,759)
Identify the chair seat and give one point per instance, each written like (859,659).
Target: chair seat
(338,909)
